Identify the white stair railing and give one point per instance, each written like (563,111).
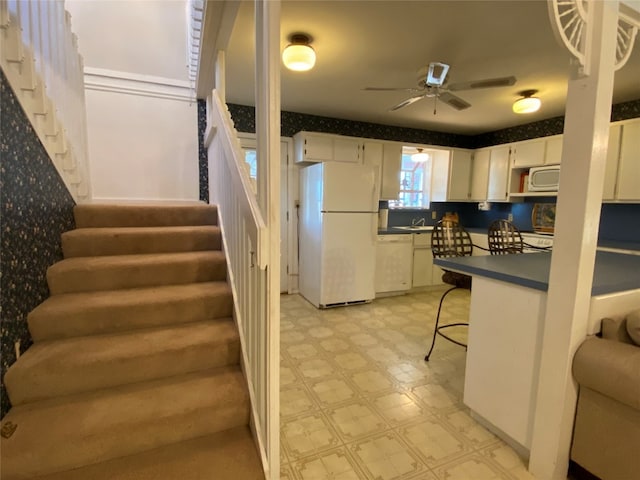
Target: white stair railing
(39,56)
(245,236)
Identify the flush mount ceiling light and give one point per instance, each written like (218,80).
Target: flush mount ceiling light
(420,157)
(299,56)
(528,103)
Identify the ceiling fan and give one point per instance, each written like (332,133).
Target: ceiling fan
(431,84)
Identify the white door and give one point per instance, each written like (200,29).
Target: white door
(248,142)
(348,187)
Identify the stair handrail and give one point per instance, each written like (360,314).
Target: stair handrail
(219,122)
(42,63)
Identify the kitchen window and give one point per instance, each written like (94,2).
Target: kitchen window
(415,180)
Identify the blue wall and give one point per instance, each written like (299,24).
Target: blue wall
(36,209)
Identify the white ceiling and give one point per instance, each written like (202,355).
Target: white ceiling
(385,43)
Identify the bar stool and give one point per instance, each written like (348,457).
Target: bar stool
(450,239)
(504,238)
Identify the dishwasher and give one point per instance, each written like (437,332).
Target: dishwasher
(394,256)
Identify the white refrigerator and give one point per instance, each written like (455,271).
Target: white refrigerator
(338,233)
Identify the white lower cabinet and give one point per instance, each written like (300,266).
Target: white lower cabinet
(481,240)
(425,273)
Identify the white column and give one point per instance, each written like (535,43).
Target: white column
(268,154)
(586,133)
(220,76)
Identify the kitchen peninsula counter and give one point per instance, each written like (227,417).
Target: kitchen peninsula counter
(506,322)
(614,272)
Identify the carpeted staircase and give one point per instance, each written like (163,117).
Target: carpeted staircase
(134,372)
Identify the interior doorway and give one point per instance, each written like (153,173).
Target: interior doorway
(288,217)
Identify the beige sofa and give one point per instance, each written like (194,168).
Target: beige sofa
(606,437)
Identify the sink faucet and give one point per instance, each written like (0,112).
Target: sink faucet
(416,222)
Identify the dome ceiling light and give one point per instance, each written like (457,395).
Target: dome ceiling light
(528,103)
(420,157)
(299,56)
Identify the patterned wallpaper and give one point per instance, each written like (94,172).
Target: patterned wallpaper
(551,126)
(36,208)
(203,163)
(244,120)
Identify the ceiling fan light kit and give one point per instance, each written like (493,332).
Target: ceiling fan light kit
(299,56)
(432,84)
(528,103)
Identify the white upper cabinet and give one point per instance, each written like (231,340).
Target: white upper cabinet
(387,158)
(553,153)
(391,166)
(459,175)
(498,173)
(628,187)
(529,153)
(480,175)
(347,150)
(320,147)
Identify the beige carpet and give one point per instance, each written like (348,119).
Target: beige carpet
(134,372)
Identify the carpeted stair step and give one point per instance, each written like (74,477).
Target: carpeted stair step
(85,274)
(70,432)
(228,455)
(95,215)
(82,364)
(95,313)
(90,242)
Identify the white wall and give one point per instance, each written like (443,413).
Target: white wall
(141,118)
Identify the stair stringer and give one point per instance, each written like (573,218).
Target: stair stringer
(17,61)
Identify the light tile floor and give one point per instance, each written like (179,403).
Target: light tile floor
(358,401)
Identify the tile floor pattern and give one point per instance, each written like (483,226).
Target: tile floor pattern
(358,401)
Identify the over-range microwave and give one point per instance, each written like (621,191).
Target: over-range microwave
(544,179)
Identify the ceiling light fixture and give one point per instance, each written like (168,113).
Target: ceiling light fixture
(299,56)
(528,103)
(420,157)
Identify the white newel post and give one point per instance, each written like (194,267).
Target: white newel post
(267,13)
(586,133)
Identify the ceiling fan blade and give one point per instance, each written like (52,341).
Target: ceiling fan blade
(453,101)
(486,83)
(391,89)
(408,101)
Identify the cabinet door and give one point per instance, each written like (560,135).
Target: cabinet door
(480,175)
(553,153)
(498,173)
(611,168)
(372,153)
(459,175)
(629,166)
(391,166)
(528,154)
(422,267)
(318,148)
(346,150)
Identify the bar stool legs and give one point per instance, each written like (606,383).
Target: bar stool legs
(437,329)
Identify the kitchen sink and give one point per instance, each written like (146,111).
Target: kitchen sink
(415,228)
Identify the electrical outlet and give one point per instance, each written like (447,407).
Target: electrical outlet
(434,215)
(510,217)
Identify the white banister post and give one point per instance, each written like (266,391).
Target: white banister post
(267,14)
(586,134)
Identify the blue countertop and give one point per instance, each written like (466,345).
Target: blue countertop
(614,272)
